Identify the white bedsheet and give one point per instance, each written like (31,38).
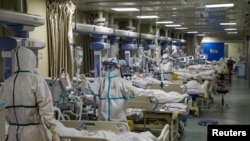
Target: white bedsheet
(109,135)
(201,67)
(145,82)
(162,96)
(175,107)
(206,74)
(194,87)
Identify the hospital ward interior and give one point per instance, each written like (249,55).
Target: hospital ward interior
(127,70)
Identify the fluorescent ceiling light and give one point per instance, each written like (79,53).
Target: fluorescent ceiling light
(164,22)
(201,34)
(172,25)
(181,28)
(232,32)
(230,28)
(192,32)
(227,23)
(219,5)
(147,17)
(125,9)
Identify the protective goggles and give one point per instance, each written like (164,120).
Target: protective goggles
(109,66)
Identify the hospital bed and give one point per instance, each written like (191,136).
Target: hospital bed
(107,126)
(151,106)
(197,98)
(206,75)
(154,118)
(200,96)
(182,89)
(145,82)
(192,74)
(176,87)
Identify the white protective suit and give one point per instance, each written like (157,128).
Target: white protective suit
(28,101)
(113,92)
(166,67)
(223,67)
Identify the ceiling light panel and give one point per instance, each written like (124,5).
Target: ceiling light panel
(164,22)
(230,29)
(201,34)
(232,32)
(192,32)
(172,25)
(227,23)
(181,28)
(125,9)
(219,5)
(147,17)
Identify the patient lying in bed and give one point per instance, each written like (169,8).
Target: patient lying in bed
(194,87)
(171,99)
(146,81)
(162,96)
(109,135)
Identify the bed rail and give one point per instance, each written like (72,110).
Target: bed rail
(148,103)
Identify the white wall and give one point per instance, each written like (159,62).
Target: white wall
(38,7)
(235,50)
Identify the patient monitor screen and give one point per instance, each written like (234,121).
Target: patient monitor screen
(202,57)
(183,60)
(190,58)
(125,70)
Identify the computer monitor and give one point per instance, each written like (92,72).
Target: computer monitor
(182,59)
(125,70)
(202,57)
(191,58)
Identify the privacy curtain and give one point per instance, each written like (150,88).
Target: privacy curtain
(59,27)
(190,49)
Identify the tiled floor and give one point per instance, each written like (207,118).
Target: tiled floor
(238,100)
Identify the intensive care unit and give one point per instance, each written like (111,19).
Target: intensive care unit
(108,70)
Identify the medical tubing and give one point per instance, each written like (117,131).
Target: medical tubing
(60,115)
(82,124)
(80,104)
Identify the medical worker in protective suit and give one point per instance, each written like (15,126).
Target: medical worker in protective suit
(28,101)
(112,91)
(166,67)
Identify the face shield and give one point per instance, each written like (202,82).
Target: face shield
(110,68)
(165,58)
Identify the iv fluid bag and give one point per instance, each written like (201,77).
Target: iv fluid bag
(79,55)
(140,52)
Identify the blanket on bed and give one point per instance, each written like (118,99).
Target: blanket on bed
(109,135)
(162,96)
